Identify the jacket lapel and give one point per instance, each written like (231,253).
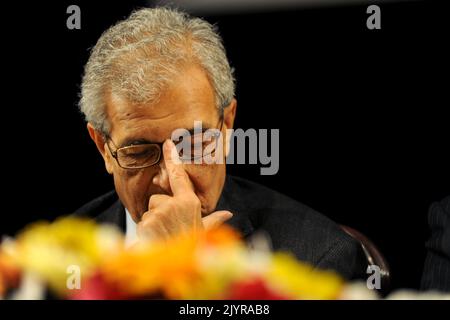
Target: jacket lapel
(114,215)
(231,200)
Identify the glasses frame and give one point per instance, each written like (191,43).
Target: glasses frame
(158,144)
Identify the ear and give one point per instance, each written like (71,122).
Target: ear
(229,113)
(100,142)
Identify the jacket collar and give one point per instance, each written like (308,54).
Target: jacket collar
(232,200)
(113,215)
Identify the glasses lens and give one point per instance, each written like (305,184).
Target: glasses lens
(198,146)
(138,156)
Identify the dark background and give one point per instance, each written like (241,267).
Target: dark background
(362,114)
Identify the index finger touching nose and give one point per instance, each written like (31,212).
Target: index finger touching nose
(178,178)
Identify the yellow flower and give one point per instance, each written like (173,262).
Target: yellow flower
(301,280)
(222,259)
(48,249)
(219,258)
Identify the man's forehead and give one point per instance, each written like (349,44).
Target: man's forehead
(120,108)
(121,112)
(189,98)
(166,107)
(140,124)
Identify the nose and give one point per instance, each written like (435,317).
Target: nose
(161,178)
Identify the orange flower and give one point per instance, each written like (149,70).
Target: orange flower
(9,273)
(176,268)
(222,236)
(145,269)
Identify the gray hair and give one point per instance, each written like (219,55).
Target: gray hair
(137,58)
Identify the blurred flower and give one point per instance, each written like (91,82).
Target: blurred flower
(213,265)
(224,236)
(254,289)
(302,281)
(414,295)
(189,266)
(358,291)
(9,273)
(48,249)
(168,267)
(31,288)
(96,288)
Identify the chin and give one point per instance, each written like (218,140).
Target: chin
(206,209)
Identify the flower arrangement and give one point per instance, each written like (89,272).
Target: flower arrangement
(73,258)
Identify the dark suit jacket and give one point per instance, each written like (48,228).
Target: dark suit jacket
(292,226)
(436,273)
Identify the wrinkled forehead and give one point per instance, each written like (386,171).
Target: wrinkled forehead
(189,98)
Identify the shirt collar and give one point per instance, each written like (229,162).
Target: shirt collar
(130,229)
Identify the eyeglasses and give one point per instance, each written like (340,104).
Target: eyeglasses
(149,154)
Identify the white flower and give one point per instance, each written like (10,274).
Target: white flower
(358,291)
(405,294)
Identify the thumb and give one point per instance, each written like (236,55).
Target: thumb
(216,219)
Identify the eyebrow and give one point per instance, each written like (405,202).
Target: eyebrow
(133,141)
(137,141)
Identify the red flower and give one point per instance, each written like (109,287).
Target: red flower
(96,288)
(253,289)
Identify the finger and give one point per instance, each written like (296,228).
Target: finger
(157,199)
(216,219)
(178,178)
(151,229)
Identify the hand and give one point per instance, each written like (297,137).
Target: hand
(171,215)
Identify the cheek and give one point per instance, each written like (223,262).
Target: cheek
(207,181)
(202,176)
(133,186)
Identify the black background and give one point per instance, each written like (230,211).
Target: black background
(362,114)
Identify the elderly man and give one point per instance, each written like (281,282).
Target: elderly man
(161,70)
